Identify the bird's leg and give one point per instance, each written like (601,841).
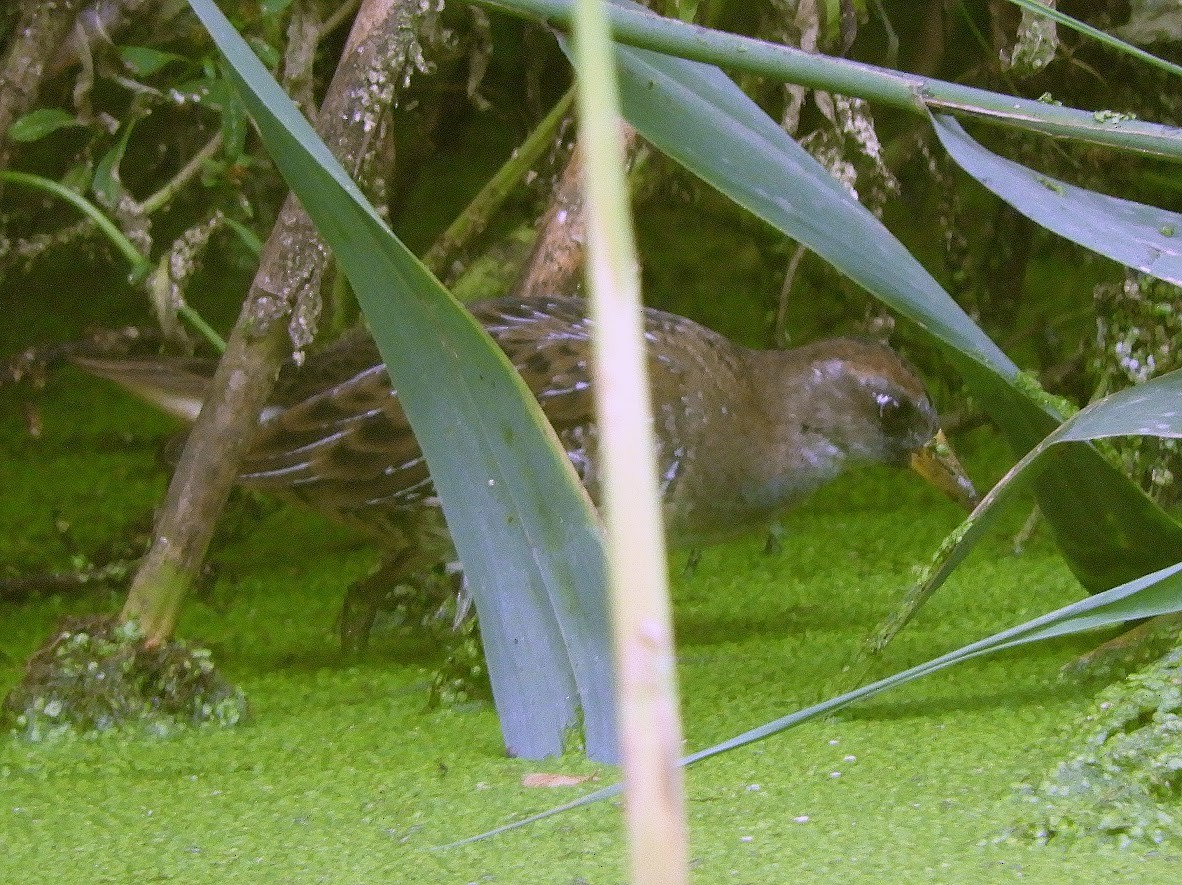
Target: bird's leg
(433,599)
(691,563)
(364,599)
(406,584)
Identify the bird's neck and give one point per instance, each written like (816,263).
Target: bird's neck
(801,398)
(759,458)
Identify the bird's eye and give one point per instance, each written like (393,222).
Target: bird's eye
(898,417)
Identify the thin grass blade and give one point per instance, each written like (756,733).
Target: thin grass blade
(1150,595)
(650,715)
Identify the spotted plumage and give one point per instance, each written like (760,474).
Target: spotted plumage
(742,435)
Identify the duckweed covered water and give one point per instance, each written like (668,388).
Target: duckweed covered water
(344,775)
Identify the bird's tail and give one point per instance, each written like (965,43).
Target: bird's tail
(176,386)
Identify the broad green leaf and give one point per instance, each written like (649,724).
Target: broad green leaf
(1139,236)
(106,182)
(696,115)
(143,61)
(37,124)
(699,117)
(526,533)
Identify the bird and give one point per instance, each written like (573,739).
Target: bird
(742,435)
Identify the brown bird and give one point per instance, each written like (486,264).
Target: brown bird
(742,435)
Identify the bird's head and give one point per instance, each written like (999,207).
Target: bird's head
(869,404)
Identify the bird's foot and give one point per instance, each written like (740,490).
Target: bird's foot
(397,595)
(430,603)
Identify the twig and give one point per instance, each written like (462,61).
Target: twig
(304,30)
(22,588)
(555,264)
(492,196)
(184,175)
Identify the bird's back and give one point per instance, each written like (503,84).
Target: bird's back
(336,437)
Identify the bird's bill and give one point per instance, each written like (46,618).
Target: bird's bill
(937,463)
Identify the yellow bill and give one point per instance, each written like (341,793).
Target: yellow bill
(937,463)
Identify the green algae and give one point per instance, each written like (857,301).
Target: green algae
(344,773)
(96,673)
(1124,781)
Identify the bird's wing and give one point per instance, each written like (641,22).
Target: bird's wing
(548,341)
(174,385)
(346,445)
(338,439)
